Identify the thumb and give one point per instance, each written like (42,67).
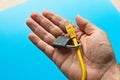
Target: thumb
(85,25)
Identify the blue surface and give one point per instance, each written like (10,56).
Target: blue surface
(21,60)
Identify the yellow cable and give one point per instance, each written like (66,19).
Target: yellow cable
(71,32)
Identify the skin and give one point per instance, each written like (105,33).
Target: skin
(96,49)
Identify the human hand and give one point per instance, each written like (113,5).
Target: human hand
(97,52)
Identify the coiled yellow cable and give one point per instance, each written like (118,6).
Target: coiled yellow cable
(71,32)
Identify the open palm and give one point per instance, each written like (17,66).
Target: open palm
(97,52)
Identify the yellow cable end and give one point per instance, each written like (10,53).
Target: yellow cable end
(70,29)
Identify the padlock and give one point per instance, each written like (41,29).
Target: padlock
(64,42)
(61,42)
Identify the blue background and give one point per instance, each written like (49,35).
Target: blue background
(21,60)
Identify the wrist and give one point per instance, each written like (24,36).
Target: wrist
(113,73)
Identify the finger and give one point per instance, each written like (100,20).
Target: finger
(40,32)
(47,24)
(57,20)
(85,25)
(49,50)
(79,33)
